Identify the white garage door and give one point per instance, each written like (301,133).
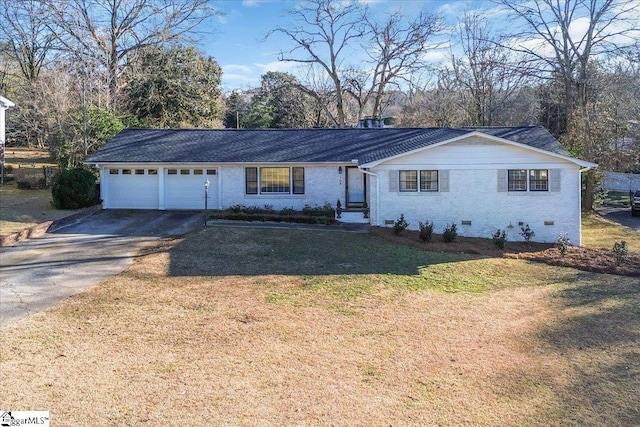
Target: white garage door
(184,188)
(132,189)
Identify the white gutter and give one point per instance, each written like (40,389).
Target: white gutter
(366,172)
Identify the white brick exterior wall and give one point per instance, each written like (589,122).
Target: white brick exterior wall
(323,185)
(473,193)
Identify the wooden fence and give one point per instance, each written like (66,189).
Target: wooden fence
(31,176)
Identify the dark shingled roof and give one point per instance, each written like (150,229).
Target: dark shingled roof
(294,145)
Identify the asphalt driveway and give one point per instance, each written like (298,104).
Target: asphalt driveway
(38,273)
(620,215)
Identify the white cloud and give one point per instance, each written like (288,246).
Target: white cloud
(455,8)
(436,56)
(235,76)
(251,3)
(237,68)
(238,81)
(281,66)
(257,3)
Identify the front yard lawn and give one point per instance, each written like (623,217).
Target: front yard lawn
(21,209)
(258,327)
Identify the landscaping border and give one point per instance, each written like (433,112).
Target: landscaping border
(40,229)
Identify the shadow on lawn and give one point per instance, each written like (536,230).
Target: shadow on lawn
(598,329)
(252,251)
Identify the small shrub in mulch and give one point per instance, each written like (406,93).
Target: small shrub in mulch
(450,233)
(426,231)
(563,244)
(400,225)
(621,252)
(499,239)
(527,233)
(595,260)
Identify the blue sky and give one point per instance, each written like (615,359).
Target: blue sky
(237,42)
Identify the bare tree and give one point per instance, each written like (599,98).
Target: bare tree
(327,31)
(551,26)
(396,48)
(25,33)
(110,30)
(28,47)
(433,103)
(321,35)
(484,72)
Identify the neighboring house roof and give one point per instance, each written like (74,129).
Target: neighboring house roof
(297,145)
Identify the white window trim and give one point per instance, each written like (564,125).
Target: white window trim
(528,181)
(419,181)
(290,193)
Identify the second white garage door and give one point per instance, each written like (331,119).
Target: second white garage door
(184,188)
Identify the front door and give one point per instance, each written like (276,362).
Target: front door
(356,188)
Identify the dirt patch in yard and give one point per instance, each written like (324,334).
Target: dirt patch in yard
(597,260)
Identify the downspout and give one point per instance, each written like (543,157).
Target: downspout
(366,172)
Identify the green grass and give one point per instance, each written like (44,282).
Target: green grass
(601,233)
(343,266)
(20,208)
(616,198)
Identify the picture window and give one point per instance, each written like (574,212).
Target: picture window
(274,180)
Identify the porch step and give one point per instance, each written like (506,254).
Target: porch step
(353,218)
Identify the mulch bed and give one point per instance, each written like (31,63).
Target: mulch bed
(595,260)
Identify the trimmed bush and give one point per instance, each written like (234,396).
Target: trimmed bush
(450,233)
(325,210)
(287,212)
(74,189)
(527,233)
(621,252)
(400,225)
(426,231)
(309,215)
(499,239)
(562,244)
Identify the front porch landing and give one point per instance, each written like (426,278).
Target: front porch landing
(353,217)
